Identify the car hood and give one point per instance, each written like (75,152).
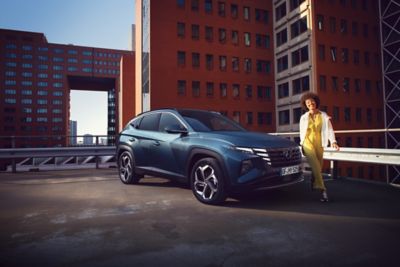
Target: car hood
(249,139)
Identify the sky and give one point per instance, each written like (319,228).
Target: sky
(94,23)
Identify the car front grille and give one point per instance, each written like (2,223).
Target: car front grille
(279,157)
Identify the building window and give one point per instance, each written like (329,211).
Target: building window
(295,4)
(343,26)
(280,11)
(262,16)
(195,32)
(223,89)
(235,64)
(346,84)
(209,33)
(180,3)
(181,58)
(263,66)
(195,5)
(356,57)
(354,28)
(222,35)
(298,27)
(247,39)
(283,90)
(208,8)
(321,52)
(367,87)
(334,83)
(347,114)
(345,55)
(358,115)
(332,24)
(246,13)
(236,116)
(236,90)
(320,22)
(195,60)
(221,9)
(264,118)
(249,118)
(222,63)
(333,53)
(282,63)
(284,117)
(196,88)
(365,30)
(300,56)
(249,91)
(234,11)
(264,92)
(281,37)
(247,65)
(209,62)
(181,29)
(301,85)
(369,115)
(262,41)
(366,58)
(357,85)
(322,82)
(181,87)
(235,37)
(210,89)
(336,114)
(296,115)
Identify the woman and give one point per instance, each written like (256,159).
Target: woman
(315,132)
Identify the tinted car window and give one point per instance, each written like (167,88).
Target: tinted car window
(167,119)
(150,122)
(209,121)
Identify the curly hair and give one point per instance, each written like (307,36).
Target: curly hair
(309,95)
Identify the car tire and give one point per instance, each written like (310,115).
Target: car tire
(207,181)
(126,168)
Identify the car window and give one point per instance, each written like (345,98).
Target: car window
(167,119)
(150,122)
(202,121)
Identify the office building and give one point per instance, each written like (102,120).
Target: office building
(36,79)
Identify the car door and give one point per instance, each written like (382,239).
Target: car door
(147,140)
(171,148)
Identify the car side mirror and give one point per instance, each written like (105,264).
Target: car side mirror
(176,129)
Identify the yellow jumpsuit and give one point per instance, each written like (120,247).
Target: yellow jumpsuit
(313,150)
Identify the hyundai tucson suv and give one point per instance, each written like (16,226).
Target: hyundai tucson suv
(212,153)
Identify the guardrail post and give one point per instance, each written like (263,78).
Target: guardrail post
(13,161)
(97,157)
(334,169)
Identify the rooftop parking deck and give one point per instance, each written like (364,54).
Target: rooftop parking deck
(89,218)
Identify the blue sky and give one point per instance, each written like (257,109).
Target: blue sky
(95,23)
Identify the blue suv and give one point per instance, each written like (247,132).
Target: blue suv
(212,153)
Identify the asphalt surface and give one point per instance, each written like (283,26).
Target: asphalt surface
(89,218)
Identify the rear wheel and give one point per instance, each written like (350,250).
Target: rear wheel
(126,169)
(207,181)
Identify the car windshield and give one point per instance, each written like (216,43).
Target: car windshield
(205,121)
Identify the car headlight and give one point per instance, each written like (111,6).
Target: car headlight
(247,150)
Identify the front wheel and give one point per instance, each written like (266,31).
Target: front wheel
(207,181)
(126,169)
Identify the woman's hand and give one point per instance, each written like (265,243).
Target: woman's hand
(335,146)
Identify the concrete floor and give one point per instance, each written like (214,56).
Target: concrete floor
(89,218)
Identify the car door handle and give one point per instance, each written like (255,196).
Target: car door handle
(156,143)
(132,139)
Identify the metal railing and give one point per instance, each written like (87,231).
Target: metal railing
(58,155)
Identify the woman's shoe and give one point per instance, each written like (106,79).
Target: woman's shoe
(324,197)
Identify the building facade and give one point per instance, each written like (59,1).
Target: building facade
(35,83)
(214,55)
